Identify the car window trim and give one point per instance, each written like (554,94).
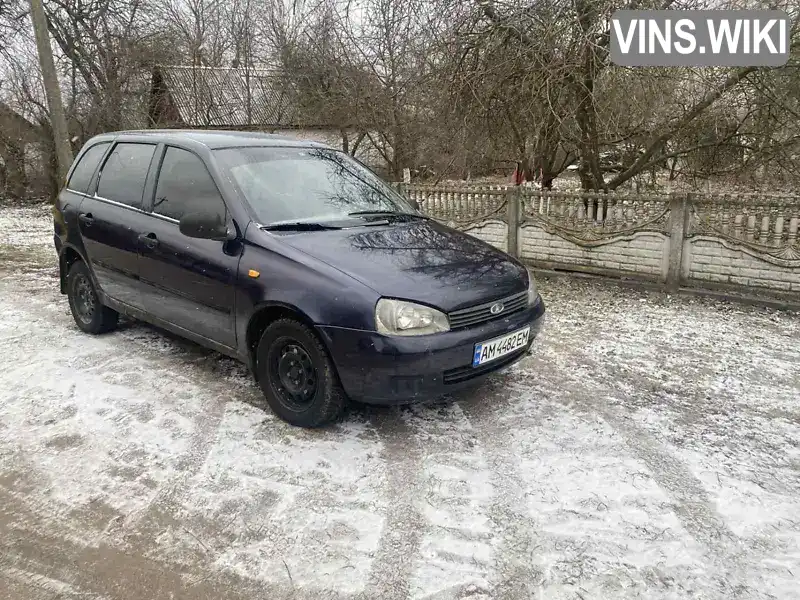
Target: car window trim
(164,218)
(103,162)
(157,178)
(114,203)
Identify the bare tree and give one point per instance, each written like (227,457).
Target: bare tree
(560,94)
(108,45)
(447,87)
(369,75)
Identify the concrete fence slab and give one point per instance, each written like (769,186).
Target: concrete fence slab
(747,243)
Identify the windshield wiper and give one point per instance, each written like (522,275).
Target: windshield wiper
(385,214)
(298,226)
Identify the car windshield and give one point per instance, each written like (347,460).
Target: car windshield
(299,185)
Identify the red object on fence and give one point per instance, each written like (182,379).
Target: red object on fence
(518,177)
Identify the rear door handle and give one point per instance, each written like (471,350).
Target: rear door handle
(86,218)
(149,240)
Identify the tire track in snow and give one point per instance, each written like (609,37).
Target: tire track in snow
(692,505)
(736,565)
(203,371)
(38,587)
(723,549)
(103,571)
(456,549)
(224,381)
(284,505)
(219,391)
(149,519)
(691,498)
(517,537)
(559,473)
(392,566)
(208,377)
(655,374)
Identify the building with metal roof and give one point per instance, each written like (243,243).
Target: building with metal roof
(220,97)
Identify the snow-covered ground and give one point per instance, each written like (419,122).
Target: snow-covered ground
(650,449)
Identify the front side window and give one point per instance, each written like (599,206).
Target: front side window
(124,173)
(82,173)
(307,184)
(185,186)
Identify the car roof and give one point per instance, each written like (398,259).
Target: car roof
(213,138)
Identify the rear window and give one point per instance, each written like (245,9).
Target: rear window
(82,173)
(124,173)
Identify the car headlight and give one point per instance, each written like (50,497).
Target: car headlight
(533,293)
(397,317)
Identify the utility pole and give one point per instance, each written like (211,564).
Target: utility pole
(58,119)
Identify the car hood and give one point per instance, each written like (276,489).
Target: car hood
(423,261)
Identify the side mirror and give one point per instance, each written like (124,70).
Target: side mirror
(205,227)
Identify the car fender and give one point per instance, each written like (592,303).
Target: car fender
(62,266)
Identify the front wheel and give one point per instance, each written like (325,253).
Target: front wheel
(296,376)
(90,315)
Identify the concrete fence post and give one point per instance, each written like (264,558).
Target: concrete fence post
(678,223)
(514,208)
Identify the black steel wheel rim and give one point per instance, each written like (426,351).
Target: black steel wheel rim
(292,374)
(84,301)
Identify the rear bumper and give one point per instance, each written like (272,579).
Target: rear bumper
(379,369)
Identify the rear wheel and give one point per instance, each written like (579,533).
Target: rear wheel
(296,376)
(90,315)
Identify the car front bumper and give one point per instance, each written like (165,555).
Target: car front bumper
(378,369)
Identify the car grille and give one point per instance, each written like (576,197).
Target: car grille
(468,372)
(473,315)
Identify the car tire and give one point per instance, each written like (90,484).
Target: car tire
(89,313)
(296,375)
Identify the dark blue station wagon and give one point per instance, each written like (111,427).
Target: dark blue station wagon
(292,257)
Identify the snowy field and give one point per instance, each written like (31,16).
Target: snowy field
(649,449)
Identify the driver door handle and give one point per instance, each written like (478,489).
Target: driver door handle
(86,218)
(149,240)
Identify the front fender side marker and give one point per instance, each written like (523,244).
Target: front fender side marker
(253,273)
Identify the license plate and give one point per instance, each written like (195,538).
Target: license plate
(493,349)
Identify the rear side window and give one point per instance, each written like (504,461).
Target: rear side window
(185,186)
(82,173)
(124,173)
